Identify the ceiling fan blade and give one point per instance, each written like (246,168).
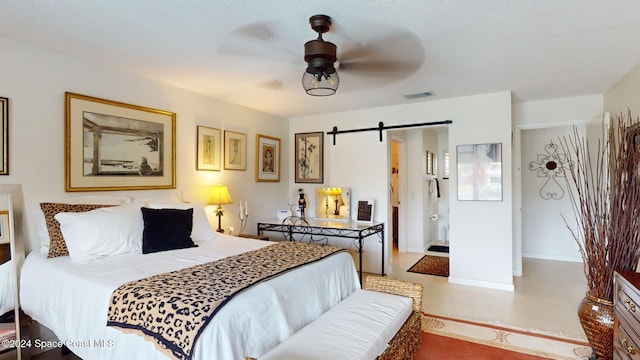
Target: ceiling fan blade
(259,41)
(389,70)
(393,56)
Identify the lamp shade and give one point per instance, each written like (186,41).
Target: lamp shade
(220,195)
(320,83)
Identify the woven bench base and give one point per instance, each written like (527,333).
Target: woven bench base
(405,344)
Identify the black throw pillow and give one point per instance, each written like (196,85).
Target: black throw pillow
(166,229)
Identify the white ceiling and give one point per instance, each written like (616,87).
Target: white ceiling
(250,52)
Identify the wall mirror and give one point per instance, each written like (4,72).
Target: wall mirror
(333,203)
(11,259)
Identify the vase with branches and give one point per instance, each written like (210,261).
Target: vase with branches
(604,187)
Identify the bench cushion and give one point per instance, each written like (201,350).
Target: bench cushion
(359,327)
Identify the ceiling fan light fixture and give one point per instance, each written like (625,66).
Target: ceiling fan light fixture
(320,81)
(320,78)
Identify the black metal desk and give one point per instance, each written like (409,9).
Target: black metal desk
(342,229)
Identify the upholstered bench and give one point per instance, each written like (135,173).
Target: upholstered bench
(373,323)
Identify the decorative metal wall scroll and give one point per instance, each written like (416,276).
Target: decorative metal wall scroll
(552,166)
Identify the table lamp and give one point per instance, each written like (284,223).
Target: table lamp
(336,192)
(219,196)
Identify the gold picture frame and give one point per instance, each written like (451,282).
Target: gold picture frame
(5,231)
(209,147)
(4,147)
(235,150)
(111,145)
(267,158)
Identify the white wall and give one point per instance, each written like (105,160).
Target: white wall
(35,81)
(481,231)
(555,116)
(415,201)
(545,198)
(623,95)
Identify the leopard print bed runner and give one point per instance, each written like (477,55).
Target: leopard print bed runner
(172,309)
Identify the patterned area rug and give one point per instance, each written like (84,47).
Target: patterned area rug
(431,265)
(541,345)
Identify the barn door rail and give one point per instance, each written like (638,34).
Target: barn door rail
(381,127)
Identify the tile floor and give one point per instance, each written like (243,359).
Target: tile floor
(545,299)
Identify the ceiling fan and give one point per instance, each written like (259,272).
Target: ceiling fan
(320,78)
(391,55)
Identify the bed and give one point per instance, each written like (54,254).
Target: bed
(72,297)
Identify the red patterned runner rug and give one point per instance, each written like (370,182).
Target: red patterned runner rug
(467,336)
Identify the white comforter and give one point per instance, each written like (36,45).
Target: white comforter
(6,287)
(72,300)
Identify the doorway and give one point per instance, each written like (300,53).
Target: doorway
(415,194)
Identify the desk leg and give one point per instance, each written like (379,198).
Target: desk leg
(382,270)
(360,257)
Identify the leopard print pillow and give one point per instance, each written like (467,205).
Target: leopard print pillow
(57,246)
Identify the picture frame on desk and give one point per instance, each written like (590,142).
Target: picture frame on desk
(365,210)
(111,145)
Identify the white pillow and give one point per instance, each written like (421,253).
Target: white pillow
(202,230)
(102,232)
(40,223)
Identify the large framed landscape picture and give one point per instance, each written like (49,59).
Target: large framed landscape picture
(116,146)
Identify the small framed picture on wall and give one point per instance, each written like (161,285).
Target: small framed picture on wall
(309,149)
(235,150)
(209,149)
(430,163)
(267,158)
(4,146)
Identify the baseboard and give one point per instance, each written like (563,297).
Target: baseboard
(417,250)
(552,257)
(484,284)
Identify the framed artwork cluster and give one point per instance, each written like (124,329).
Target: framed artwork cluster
(209,155)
